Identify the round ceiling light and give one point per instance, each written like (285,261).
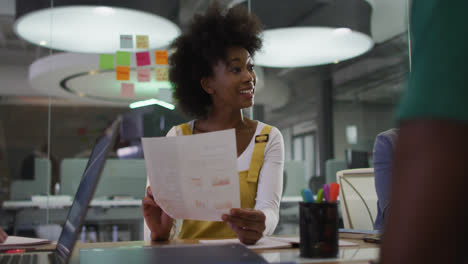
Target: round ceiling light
(92,29)
(306,46)
(311,33)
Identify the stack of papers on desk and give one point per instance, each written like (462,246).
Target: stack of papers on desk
(263,243)
(356,233)
(271,242)
(194,177)
(51,201)
(295,240)
(22,242)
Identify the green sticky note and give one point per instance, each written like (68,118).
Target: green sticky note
(123,58)
(106,61)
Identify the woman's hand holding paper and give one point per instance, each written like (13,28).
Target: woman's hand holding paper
(157,220)
(248,224)
(3,235)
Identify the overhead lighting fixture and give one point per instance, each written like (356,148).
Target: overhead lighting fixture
(152,102)
(95,27)
(310,46)
(327,32)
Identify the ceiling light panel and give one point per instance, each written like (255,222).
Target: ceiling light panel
(306,46)
(93,29)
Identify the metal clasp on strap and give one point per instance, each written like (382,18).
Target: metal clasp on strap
(262,138)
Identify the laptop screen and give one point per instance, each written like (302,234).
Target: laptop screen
(85,192)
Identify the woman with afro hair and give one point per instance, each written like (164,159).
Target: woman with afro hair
(214,79)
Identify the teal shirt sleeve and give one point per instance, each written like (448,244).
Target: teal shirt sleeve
(438,82)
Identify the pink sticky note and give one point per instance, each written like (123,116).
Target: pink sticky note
(127,90)
(144,74)
(143,58)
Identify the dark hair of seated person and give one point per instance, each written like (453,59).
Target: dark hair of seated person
(204,44)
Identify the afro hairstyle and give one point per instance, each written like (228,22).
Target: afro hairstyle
(205,43)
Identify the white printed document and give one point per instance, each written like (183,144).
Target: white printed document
(194,177)
(22,242)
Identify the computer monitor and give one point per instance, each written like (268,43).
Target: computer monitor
(356,159)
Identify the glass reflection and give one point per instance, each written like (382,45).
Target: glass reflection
(45,138)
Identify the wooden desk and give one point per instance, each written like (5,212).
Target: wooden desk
(360,254)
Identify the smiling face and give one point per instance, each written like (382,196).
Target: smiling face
(233,82)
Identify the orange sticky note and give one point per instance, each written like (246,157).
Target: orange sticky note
(122,73)
(142,42)
(162,74)
(127,90)
(161,57)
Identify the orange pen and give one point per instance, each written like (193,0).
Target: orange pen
(334,191)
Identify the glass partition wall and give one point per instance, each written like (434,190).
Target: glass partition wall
(27,169)
(330,113)
(56,101)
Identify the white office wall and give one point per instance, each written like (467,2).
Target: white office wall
(309,155)
(370,119)
(287,137)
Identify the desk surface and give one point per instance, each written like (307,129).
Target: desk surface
(53,203)
(360,254)
(16,205)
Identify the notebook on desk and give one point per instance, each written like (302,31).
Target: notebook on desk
(77,212)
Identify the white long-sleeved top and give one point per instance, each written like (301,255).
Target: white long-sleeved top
(270,178)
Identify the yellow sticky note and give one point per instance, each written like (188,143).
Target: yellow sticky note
(122,73)
(161,57)
(142,42)
(162,74)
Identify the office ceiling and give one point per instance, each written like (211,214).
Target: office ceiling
(377,76)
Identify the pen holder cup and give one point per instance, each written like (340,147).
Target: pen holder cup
(318,225)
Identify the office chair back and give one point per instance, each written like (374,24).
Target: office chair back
(126,177)
(294,180)
(332,166)
(358,198)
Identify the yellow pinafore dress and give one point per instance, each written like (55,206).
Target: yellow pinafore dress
(194,229)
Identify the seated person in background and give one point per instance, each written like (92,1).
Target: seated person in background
(384,148)
(214,79)
(3,235)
